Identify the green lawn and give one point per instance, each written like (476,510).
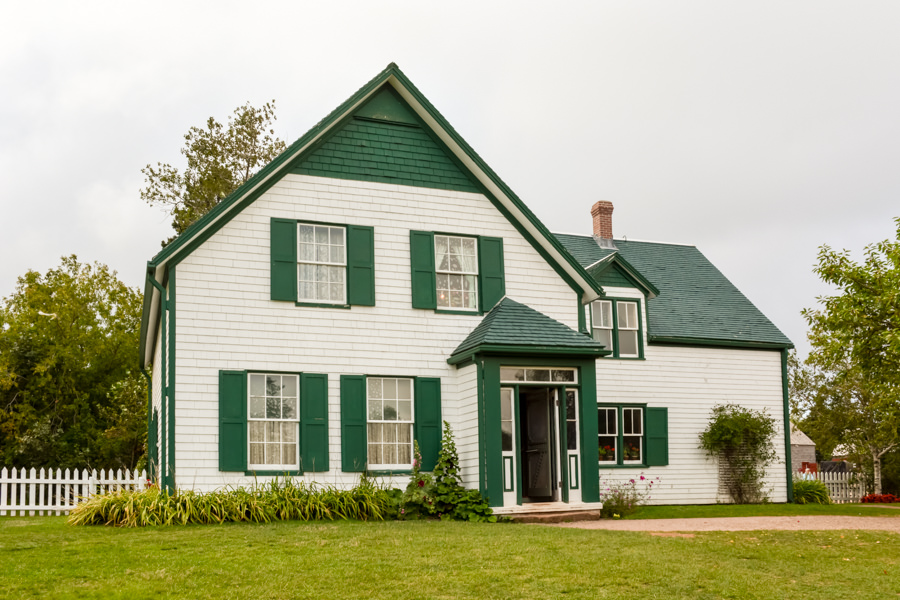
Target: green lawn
(44,557)
(764,510)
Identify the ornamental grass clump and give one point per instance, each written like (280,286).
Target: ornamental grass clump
(278,500)
(742,439)
(810,491)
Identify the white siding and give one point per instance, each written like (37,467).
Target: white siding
(226,320)
(689,382)
(157,384)
(464,421)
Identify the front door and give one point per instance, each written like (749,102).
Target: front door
(537,428)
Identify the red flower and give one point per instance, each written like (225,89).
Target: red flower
(421,483)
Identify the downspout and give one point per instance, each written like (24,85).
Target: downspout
(163,398)
(150,458)
(787,425)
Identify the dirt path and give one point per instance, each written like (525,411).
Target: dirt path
(829,522)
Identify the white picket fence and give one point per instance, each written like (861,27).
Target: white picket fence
(843,488)
(46,493)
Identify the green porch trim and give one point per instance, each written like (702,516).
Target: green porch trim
(482,452)
(170,420)
(289,473)
(322,305)
(785,393)
(389,472)
(654,340)
(490,349)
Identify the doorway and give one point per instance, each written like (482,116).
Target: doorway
(538,444)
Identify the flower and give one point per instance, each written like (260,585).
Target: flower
(421,483)
(642,478)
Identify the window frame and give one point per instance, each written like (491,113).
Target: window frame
(315,302)
(281,467)
(392,467)
(620,462)
(476,274)
(616,352)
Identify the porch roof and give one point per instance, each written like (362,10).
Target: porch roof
(514,328)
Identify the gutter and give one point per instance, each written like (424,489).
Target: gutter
(164,395)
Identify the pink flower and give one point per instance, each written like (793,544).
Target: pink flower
(642,477)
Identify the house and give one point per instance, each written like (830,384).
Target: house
(803,452)
(378,278)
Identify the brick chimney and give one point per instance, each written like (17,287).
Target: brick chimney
(602,213)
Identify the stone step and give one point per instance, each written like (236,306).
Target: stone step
(567,516)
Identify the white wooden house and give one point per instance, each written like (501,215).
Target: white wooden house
(378,278)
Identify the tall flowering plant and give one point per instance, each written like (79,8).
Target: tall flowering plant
(416,501)
(621,498)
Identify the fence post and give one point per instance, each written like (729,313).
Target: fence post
(3,491)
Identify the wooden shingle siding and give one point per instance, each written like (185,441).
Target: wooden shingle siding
(464,420)
(226,320)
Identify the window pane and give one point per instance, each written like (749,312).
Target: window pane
(337,254)
(257,432)
(337,236)
(404,434)
(505,405)
(337,292)
(305,234)
(563,375)
(289,408)
(375,454)
(273,454)
(571,435)
(257,454)
(390,410)
(601,314)
(628,343)
(257,407)
(321,235)
(389,454)
(404,389)
(307,252)
(506,431)
(604,336)
(273,408)
(632,450)
(537,374)
(607,449)
(405,410)
(273,385)
(273,432)
(570,405)
(374,388)
(389,433)
(627,315)
(289,454)
(290,386)
(633,421)
(404,456)
(512,374)
(288,432)
(376,411)
(375,432)
(257,385)
(389,388)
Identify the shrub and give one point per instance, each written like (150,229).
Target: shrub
(621,499)
(742,438)
(880,499)
(276,501)
(416,502)
(810,491)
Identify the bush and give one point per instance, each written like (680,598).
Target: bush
(623,499)
(742,438)
(279,500)
(810,491)
(880,499)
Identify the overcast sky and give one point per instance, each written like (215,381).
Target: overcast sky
(756,130)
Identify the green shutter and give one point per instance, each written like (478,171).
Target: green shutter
(657,437)
(232,420)
(421,258)
(283,246)
(490,272)
(313,422)
(360,265)
(428,420)
(353,423)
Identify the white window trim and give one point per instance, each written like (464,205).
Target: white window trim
(328,263)
(616,328)
(296,421)
(551,381)
(439,271)
(411,422)
(636,328)
(614,435)
(640,435)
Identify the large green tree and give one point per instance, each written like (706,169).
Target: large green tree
(853,371)
(70,392)
(219,159)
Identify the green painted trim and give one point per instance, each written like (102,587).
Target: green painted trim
(497,349)
(163,380)
(493,438)
(562,455)
(388,472)
(701,342)
(323,305)
(620,435)
(615,315)
(628,466)
(170,421)
(471,313)
(582,319)
(587,393)
(518,446)
(482,452)
(151,460)
(629,272)
(785,392)
(289,473)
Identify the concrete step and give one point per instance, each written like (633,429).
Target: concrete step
(567,516)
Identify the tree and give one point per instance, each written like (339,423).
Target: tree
(70,393)
(855,337)
(219,159)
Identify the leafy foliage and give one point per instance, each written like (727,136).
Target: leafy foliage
(70,395)
(621,499)
(442,493)
(742,438)
(810,491)
(852,375)
(219,159)
(279,500)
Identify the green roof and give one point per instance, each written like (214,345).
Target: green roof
(512,327)
(696,302)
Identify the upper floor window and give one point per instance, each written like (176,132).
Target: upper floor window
(456,269)
(321,264)
(616,324)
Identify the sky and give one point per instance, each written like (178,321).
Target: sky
(757,131)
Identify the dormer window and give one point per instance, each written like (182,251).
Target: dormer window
(616,323)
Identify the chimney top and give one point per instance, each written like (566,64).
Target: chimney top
(602,213)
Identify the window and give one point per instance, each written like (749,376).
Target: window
(390,422)
(321,263)
(456,268)
(616,324)
(620,435)
(273,421)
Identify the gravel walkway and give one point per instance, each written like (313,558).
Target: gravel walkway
(829,522)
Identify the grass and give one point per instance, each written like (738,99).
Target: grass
(44,557)
(706,511)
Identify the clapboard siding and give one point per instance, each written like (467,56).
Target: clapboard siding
(227,321)
(689,382)
(465,424)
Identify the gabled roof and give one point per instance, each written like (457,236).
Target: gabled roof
(514,328)
(615,261)
(696,304)
(487,181)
